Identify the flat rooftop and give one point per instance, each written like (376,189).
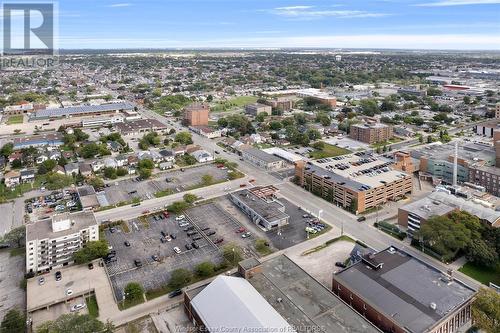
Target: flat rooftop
(139,124)
(270,210)
(426,208)
(469,151)
(404,288)
(261,155)
(370,125)
(357,170)
(304,302)
(82,109)
(43,229)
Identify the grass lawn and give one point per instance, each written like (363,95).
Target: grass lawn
(18,119)
(164,193)
(329,151)
(152,294)
(129,303)
(232,103)
(92,306)
(327,243)
(17,251)
(482,274)
(386,143)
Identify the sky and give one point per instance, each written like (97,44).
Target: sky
(397,24)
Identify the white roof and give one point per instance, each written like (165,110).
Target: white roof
(232,302)
(283,154)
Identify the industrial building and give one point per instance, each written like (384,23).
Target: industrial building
(49,139)
(261,159)
(267,295)
(356,182)
(138,126)
(82,110)
(399,293)
(437,160)
(196,114)
(319,96)
(261,205)
(371,132)
(50,243)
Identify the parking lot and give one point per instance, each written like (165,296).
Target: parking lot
(178,181)
(45,206)
(145,239)
(11,274)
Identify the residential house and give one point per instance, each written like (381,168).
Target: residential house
(202,156)
(166,165)
(168,155)
(54,155)
(60,170)
(17,155)
(97,165)
(114,146)
(132,160)
(41,158)
(110,162)
(85,169)
(192,148)
(27,176)
(179,150)
(121,160)
(12,178)
(71,169)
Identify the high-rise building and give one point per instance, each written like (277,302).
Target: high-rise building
(196,114)
(51,243)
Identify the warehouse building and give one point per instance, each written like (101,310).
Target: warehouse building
(42,140)
(261,159)
(138,126)
(275,295)
(261,205)
(82,110)
(50,243)
(356,182)
(399,293)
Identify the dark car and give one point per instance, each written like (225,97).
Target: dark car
(197,238)
(163,233)
(206,228)
(188,246)
(91,266)
(173,236)
(163,240)
(137,263)
(175,293)
(195,245)
(127,243)
(340,264)
(58,276)
(210,233)
(155,257)
(191,233)
(218,240)
(361,219)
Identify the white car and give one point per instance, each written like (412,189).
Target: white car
(77,307)
(41,281)
(177,250)
(180,218)
(69,292)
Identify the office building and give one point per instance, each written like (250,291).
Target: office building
(399,293)
(371,132)
(262,206)
(196,114)
(261,159)
(268,296)
(356,182)
(50,243)
(256,108)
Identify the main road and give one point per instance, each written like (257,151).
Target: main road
(331,214)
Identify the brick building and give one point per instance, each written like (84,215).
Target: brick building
(371,133)
(196,114)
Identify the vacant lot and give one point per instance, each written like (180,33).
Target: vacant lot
(11,276)
(236,102)
(329,151)
(18,119)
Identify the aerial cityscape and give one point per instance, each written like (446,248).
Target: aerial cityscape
(250,166)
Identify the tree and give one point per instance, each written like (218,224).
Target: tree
(433,91)
(353,206)
(91,251)
(7,149)
(145,173)
(16,164)
(90,150)
(261,117)
(300,119)
(15,236)
(324,119)
(313,134)
(232,254)
(486,310)
(96,182)
(14,321)
(275,125)
(179,278)
(178,207)
(134,291)
(319,145)
(184,138)
(190,198)
(146,164)
(120,172)
(205,269)
(110,173)
(369,107)
(75,323)
(482,253)
(46,166)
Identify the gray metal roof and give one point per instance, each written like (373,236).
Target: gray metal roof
(261,155)
(233,303)
(73,110)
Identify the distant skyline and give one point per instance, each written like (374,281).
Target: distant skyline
(399,24)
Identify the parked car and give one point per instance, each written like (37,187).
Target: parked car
(155,257)
(69,292)
(218,240)
(340,264)
(192,232)
(77,307)
(240,230)
(173,236)
(177,250)
(195,238)
(210,233)
(166,214)
(41,281)
(195,245)
(127,243)
(137,263)
(91,265)
(188,246)
(58,276)
(163,240)
(361,218)
(175,293)
(245,235)
(180,218)
(163,233)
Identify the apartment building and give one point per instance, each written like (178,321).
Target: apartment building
(50,243)
(399,293)
(371,133)
(357,182)
(256,108)
(487,177)
(196,114)
(284,103)
(497,110)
